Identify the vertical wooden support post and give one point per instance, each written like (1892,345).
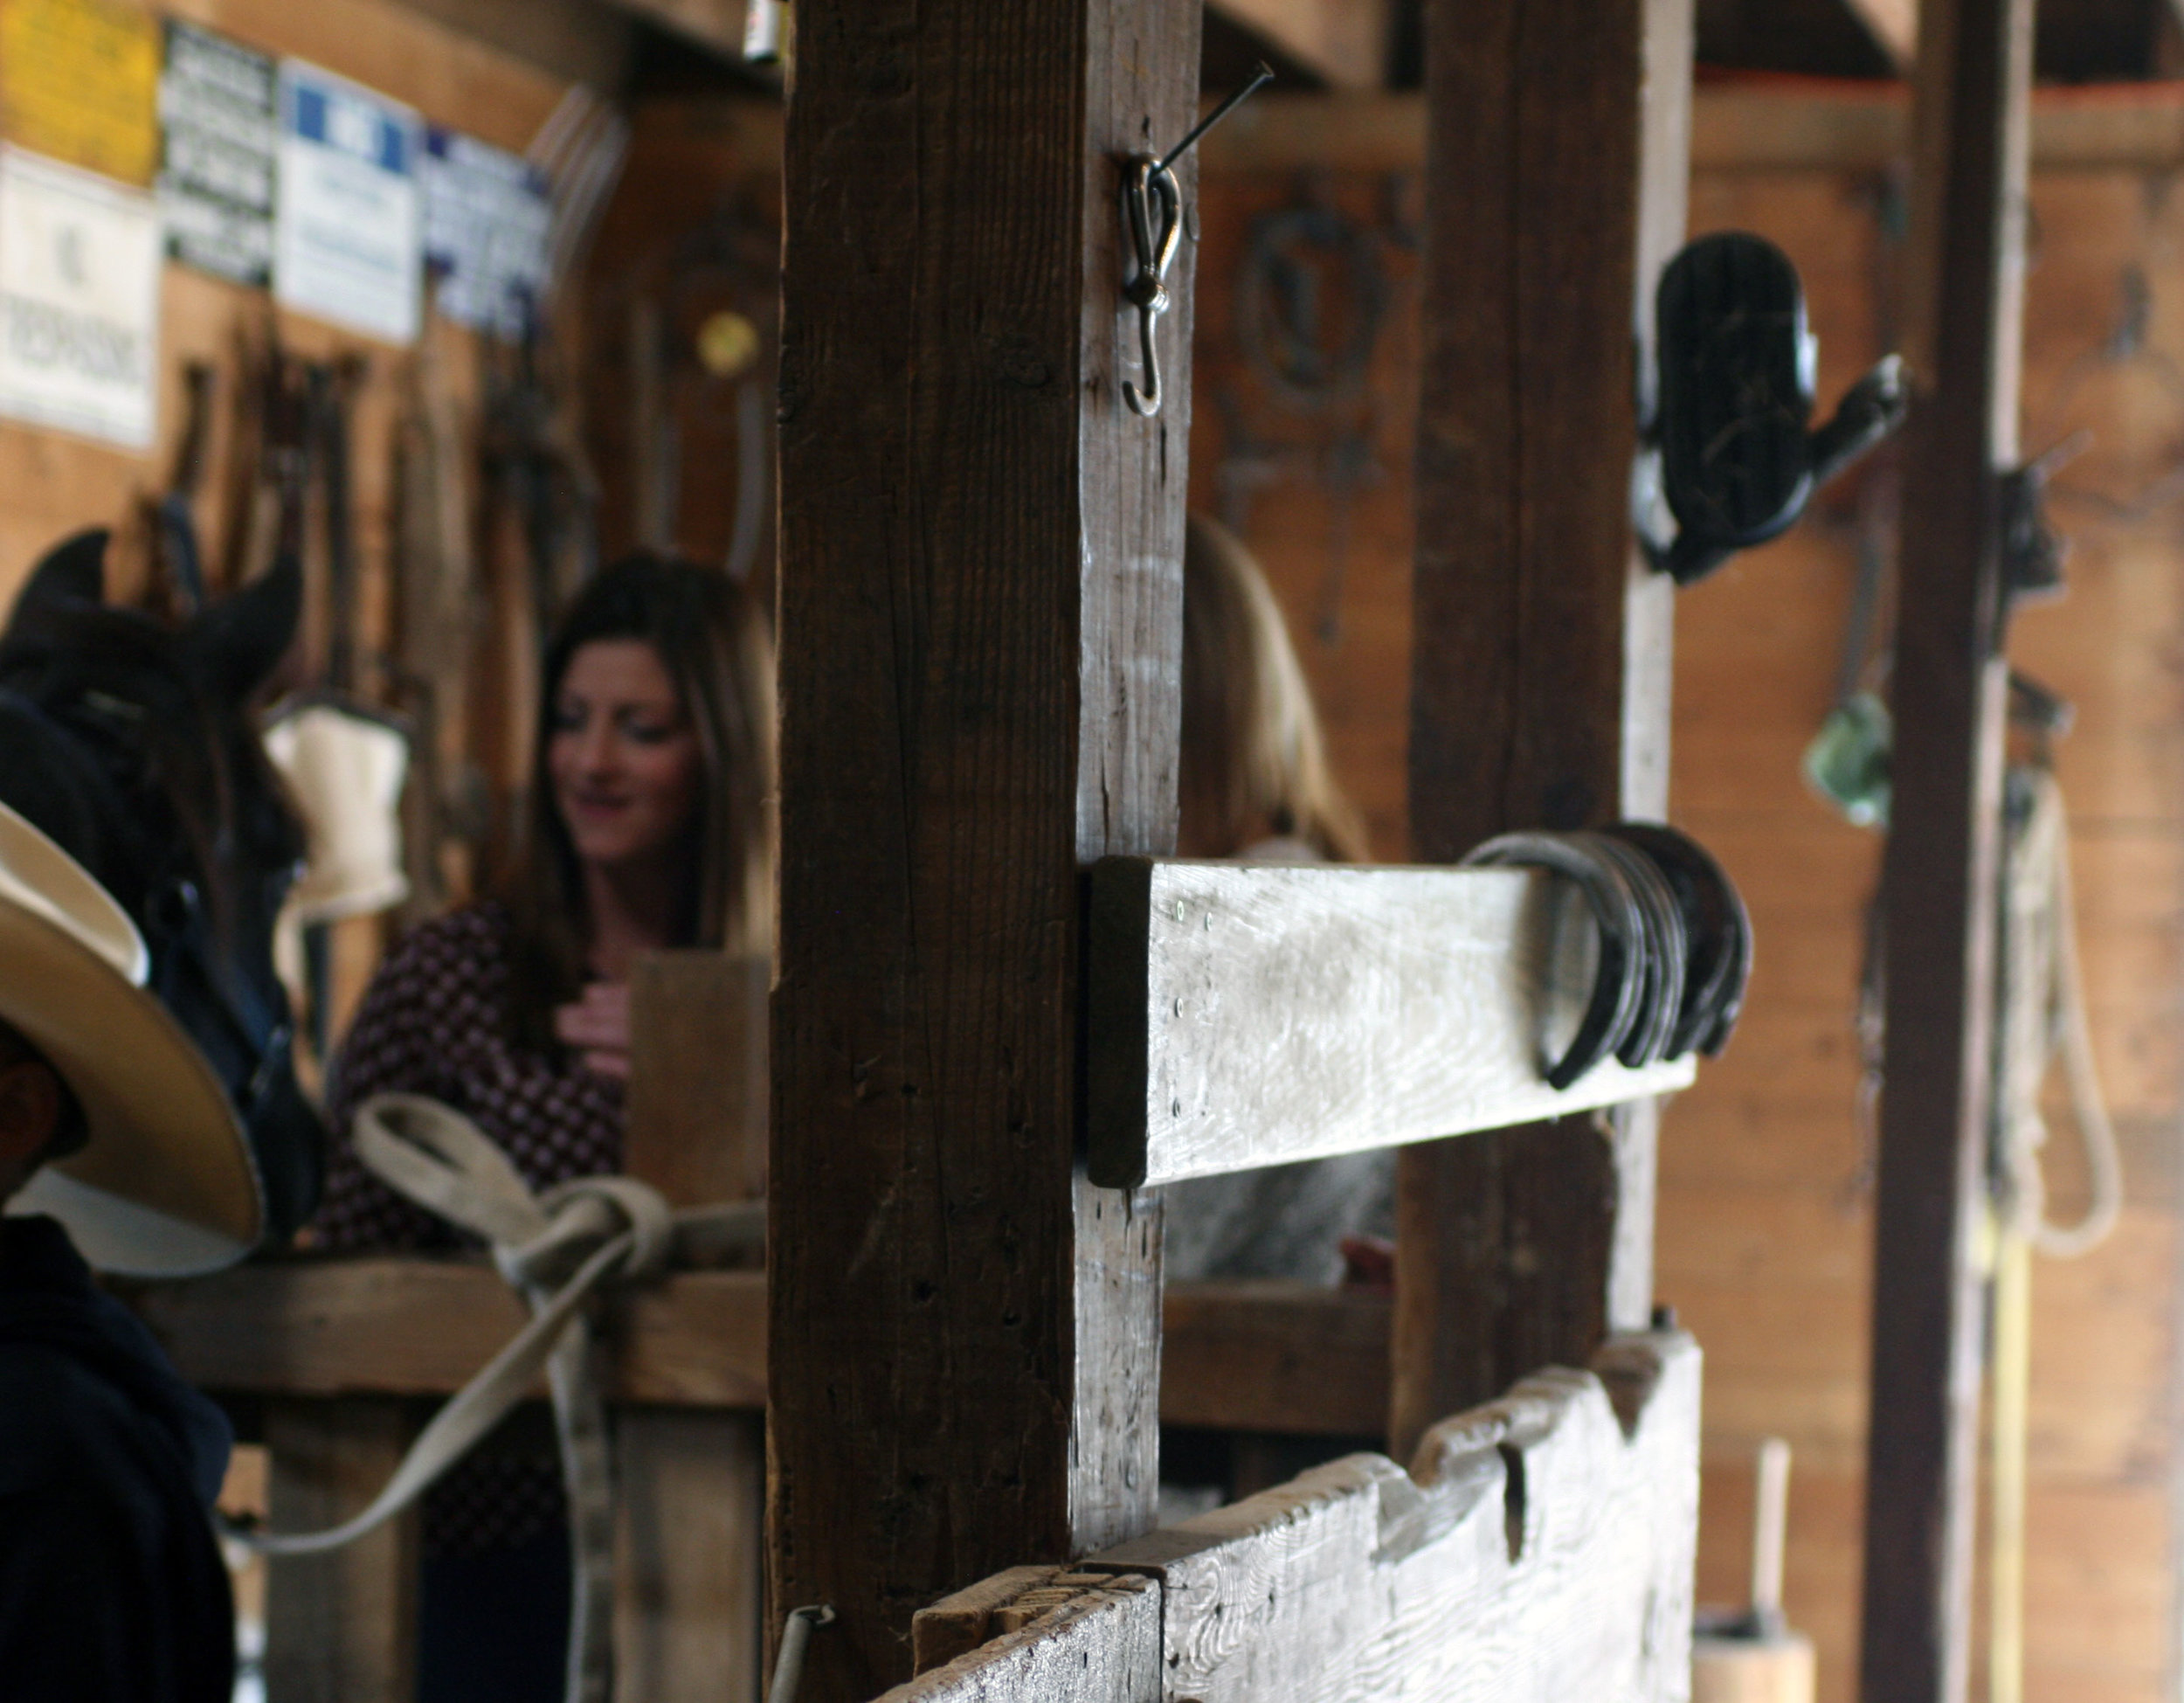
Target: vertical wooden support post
(1558,154)
(689,1597)
(980,638)
(1971,137)
(339,1628)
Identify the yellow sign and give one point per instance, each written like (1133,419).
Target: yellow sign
(80,81)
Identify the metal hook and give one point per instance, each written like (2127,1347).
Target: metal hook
(1155,235)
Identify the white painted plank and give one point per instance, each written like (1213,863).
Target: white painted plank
(1251,1014)
(1103,1646)
(1536,1553)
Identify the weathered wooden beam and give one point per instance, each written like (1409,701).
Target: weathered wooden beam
(1100,1645)
(1964,324)
(690,1572)
(1246,1015)
(980,634)
(1539,1548)
(1555,185)
(342,1625)
(1734,127)
(1344,41)
(1268,1355)
(1259,1355)
(1893,24)
(716,25)
(689,1614)
(696,1123)
(396,1326)
(582,41)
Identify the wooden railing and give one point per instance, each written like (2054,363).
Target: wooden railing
(1538,1549)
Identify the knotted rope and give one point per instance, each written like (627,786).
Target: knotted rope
(558,1249)
(2042,1010)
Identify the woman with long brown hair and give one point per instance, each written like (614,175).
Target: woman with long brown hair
(1255,785)
(650,825)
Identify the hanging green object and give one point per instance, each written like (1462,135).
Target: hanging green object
(1847,762)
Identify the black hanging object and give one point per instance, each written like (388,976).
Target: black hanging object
(1736,461)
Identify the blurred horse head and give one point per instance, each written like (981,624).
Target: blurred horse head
(132,744)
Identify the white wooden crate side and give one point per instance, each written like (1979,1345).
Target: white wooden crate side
(1250,1015)
(1101,1647)
(1361,1582)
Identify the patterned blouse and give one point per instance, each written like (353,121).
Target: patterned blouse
(436,1021)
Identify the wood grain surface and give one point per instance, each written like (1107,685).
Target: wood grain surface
(1260,1355)
(1244,1015)
(1764,1243)
(689,1572)
(1964,339)
(340,1627)
(979,632)
(1542,645)
(420,1327)
(696,1117)
(1100,1645)
(690,1506)
(1538,1550)
(1737,126)
(1540,1547)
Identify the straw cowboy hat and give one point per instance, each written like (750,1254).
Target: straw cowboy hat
(164,1186)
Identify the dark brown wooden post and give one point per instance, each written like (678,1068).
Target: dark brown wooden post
(1557,152)
(1964,320)
(980,636)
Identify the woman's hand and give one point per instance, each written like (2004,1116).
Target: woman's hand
(598,1026)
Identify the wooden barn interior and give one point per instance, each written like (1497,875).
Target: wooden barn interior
(1400,368)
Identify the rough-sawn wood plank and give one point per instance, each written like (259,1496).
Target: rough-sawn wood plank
(1540,1547)
(1251,1014)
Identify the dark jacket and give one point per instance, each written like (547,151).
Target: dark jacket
(111,1588)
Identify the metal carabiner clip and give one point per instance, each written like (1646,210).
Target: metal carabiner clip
(1152,204)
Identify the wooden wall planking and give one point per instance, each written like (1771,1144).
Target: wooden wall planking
(1764,1240)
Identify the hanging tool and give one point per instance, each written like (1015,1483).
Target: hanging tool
(446,807)
(1152,208)
(175,525)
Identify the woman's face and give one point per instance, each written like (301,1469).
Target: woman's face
(623,756)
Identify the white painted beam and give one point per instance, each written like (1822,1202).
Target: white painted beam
(1253,1014)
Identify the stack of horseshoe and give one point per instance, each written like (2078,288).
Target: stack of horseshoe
(1675,941)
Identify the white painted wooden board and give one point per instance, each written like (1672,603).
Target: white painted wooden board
(1536,1553)
(1539,1550)
(1103,1646)
(1250,1015)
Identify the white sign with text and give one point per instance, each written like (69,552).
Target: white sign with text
(80,262)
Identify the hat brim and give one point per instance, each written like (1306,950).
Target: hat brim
(165,1185)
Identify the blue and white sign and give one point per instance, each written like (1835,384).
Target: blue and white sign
(488,225)
(349,229)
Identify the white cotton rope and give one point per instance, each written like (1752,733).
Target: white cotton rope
(2042,1007)
(557,1250)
